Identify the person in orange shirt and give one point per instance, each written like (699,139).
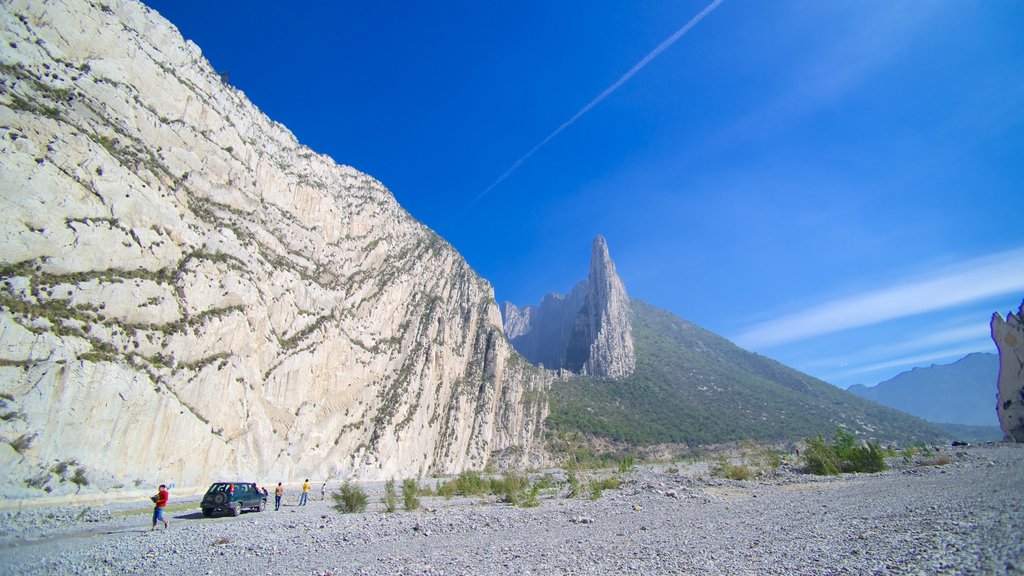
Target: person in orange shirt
(160,501)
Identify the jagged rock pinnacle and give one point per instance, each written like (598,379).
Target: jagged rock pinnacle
(589,331)
(1009,338)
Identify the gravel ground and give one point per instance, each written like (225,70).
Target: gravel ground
(966,517)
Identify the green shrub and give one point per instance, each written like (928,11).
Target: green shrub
(390,496)
(350,498)
(410,494)
(39,481)
(447,489)
(844,455)
(626,464)
(723,468)
(79,477)
(576,485)
(471,483)
(546,481)
(819,458)
(22,443)
(867,458)
(510,487)
(598,488)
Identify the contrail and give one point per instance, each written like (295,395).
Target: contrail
(607,92)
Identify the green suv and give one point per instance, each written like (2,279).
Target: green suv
(232,497)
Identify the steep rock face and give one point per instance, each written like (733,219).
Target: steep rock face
(187,293)
(588,331)
(1009,338)
(542,333)
(608,320)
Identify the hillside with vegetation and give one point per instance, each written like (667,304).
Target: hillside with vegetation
(694,387)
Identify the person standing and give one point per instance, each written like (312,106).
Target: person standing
(160,502)
(305,492)
(323,491)
(278,493)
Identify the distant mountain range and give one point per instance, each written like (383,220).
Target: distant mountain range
(963,392)
(689,385)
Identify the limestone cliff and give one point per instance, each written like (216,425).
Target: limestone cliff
(187,293)
(588,331)
(1009,338)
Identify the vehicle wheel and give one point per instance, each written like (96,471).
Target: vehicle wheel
(236,509)
(207,512)
(220,499)
(263,504)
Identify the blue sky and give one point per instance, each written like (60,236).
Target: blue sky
(837,185)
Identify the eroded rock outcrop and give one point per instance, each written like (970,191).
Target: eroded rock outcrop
(1009,338)
(588,331)
(187,293)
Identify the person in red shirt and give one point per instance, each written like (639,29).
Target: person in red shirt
(161,501)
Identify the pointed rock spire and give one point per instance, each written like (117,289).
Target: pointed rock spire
(1009,338)
(610,327)
(590,331)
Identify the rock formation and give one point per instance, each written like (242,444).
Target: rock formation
(1009,338)
(589,331)
(187,293)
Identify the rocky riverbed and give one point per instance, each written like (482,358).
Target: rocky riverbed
(965,517)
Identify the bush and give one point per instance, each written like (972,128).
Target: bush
(447,489)
(576,485)
(410,494)
(471,483)
(39,481)
(597,488)
(390,496)
(819,458)
(626,464)
(844,455)
(350,499)
(940,460)
(79,477)
(22,443)
(529,499)
(726,469)
(468,483)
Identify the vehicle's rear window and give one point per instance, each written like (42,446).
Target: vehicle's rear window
(227,487)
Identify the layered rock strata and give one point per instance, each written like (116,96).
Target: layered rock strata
(589,331)
(1009,338)
(187,293)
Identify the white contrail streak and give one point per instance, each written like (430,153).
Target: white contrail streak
(607,92)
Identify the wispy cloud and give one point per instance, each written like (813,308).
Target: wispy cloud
(911,360)
(665,45)
(970,281)
(975,332)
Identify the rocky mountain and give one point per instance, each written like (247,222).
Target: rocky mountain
(187,293)
(693,387)
(588,331)
(1009,338)
(959,393)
